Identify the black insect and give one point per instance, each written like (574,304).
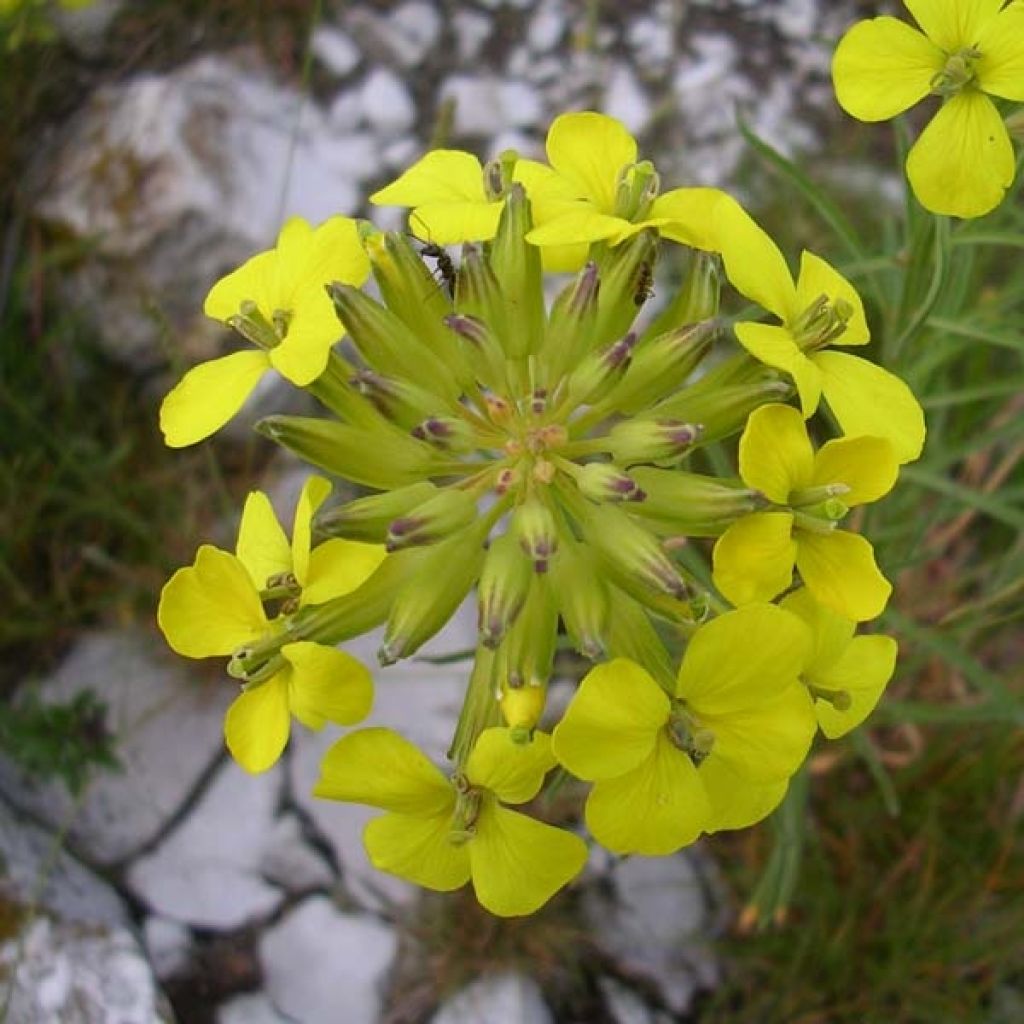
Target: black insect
(644,284)
(444,265)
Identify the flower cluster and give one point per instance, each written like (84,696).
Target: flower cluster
(550,457)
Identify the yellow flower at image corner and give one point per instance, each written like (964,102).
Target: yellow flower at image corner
(717,753)
(215,607)
(967,52)
(441,833)
(593,190)
(820,308)
(278,298)
(846,674)
(754,559)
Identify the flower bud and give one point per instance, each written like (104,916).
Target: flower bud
(368,518)
(504,584)
(602,481)
(622,270)
(691,504)
(583,598)
(528,650)
(600,371)
(652,440)
(534,526)
(633,551)
(435,586)
(483,348)
(396,399)
(522,705)
(447,433)
(571,324)
(698,299)
(438,517)
(380,458)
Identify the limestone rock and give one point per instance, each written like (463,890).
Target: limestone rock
(499,997)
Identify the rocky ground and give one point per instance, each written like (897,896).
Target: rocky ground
(240,898)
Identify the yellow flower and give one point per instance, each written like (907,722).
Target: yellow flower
(277,300)
(715,753)
(441,833)
(754,558)
(821,308)
(594,190)
(968,50)
(846,674)
(215,607)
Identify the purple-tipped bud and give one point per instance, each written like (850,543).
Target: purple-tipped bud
(636,441)
(602,481)
(535,527)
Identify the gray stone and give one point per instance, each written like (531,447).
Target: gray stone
(165,714)
(547,26)
(335,50)
(407,34)
(321,965)
(656,924)
(251,1008)
(507,997)
(387,103)
(472,29)
(85,28)
(168,945)
(485,104)
(207,872)
(625,99)
(290,862)
(59,971)
(624,1005)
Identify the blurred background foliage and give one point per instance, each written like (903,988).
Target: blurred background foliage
(888,887)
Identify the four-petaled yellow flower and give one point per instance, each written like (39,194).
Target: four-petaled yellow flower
(215,607)
(441,833)
(276,300)
(754,558)
(968,50)
(846,674)
(821,308)
(595,190)
(715,753)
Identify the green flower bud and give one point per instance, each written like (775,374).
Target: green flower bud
(652,440)
(396,399)
(600,371)
(697,300)
(368,519)
(528,651)
(602,481)
(691,504)
(484,349)
(438,517)
(583,598)
(623,269)
(571,325)
(447,433)
(534,526)
(504,584)
(380,459)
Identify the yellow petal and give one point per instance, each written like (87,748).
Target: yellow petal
(209,395)
(775,346)
(657,808)
(753,559)
(819,278)
(440,176)
(743,659)
(253,281)
(867,465)
(690,216)
(1001,66)
(863,671)
(882,67)
(419,850)
(953,24)
(564,259)
(612,721)
(581,223)
(840,570)
(311,497)
(589,150)
(767,742)
(514,772)
(339,566)
(257,725)
(262,546)
(753,263)
(518,863)
(869,400)
(776,457)
(454,223)
(313,328)
(311,258)
(210,607)
(830,632)
(963,162)
(737,801)
(327,685)
(380,768)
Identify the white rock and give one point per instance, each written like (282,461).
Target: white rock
(625,99)
(651,41)
(472,30)
(335,50)
(165,715)
(251,1008)
(84,28)
(321,966)
(401,153)
(509,997)
(346,111)
(207,872)
(624,1005)
(57,971)
(387,103)
(796,18)
(290,862)
(168,945)
(546,27)
(658,925)
(414,28)
(486,105)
